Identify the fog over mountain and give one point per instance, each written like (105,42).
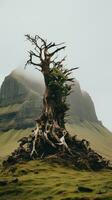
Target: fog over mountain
(84,26)
(21,101)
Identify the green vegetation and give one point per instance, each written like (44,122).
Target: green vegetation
(99,137)
(37,180)
(8,140)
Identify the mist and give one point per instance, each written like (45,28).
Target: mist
(85,27)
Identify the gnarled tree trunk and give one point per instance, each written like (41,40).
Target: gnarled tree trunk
(50,136)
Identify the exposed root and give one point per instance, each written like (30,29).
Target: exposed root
(58,147)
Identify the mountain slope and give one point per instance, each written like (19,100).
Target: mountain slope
(21,102)
(82,106)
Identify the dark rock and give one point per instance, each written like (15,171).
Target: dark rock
(3,182)
(36,172)
(23,172)
(84,189)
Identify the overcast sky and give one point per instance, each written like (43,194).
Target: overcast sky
(85,26)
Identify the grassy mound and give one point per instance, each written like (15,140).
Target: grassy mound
(40,180)
(73,152)
(99,137)
(37,180)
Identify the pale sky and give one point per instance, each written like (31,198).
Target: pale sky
(85,26)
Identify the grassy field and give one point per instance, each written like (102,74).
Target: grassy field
(38,180)
(8,140)
(99,137)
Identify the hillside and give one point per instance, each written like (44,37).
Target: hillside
(20,105)
(21,102)
(37,180)
(100,138)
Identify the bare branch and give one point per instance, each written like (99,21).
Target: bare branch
(73,69)
(60,62)
(42,52)
(44,42)
(30,61)
(59,49)
(69,71)
(33,41)
(51,44)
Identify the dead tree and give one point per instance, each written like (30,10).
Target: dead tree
(50,137)
(58,86)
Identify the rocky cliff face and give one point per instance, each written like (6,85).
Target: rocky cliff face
(12,91)
(89,108)
(82,106)
(21,103)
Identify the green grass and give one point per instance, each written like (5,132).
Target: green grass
(8,140)
(99,137)
(39,181)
